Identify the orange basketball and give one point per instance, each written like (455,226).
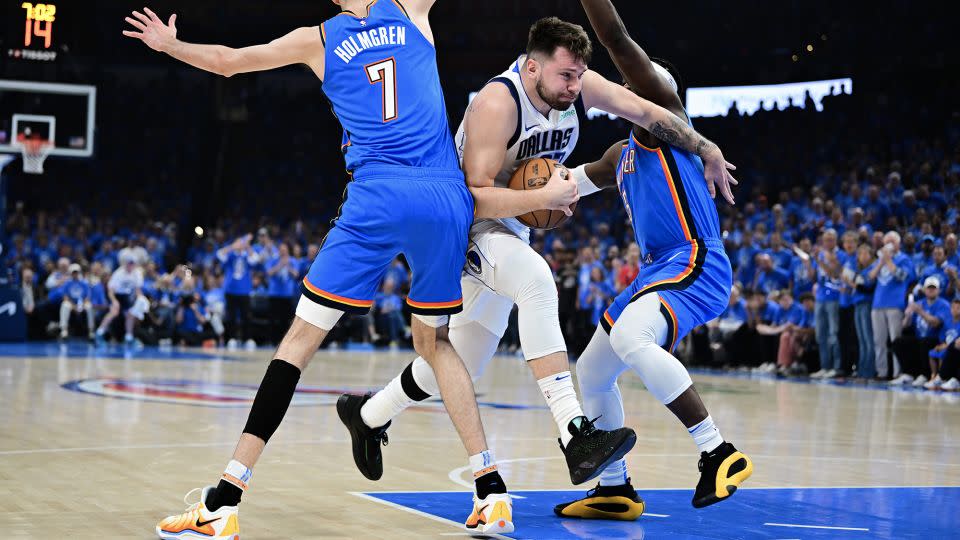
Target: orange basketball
(534,174)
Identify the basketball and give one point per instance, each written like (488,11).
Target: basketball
(534,173)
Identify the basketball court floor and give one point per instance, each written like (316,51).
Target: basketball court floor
(104,443)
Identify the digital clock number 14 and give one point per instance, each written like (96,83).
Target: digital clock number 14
(39,23)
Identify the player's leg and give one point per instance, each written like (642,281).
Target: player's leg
(475,345)
(435,247)
(216,515)
(614,497)
(522,275)
(343,278)
(641,336)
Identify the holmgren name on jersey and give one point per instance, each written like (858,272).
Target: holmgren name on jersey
(368,39)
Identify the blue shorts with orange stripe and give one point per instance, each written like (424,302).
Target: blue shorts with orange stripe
(693,282)
(424,214)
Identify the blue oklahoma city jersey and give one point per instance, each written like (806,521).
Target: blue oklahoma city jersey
(666,196)
(676,225)
(381,77)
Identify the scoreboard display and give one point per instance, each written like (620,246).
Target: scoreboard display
(34,31)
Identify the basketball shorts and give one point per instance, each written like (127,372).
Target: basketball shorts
(424,214)
(693,282)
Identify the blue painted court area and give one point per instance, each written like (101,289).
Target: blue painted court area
(855,513)
(82,349)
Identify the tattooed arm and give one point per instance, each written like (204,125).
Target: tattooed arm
(663,124)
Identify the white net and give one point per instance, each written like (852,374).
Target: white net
(34,152)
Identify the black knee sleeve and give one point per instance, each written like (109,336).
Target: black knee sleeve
(410,386)
(273,398)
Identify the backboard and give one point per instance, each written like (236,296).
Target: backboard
(62,113)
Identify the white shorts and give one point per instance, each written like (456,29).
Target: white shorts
(503,270)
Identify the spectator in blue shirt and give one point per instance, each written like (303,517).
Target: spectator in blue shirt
(893,274)
(829,264)
(769,278)
(76,299)
(238,260)
(388,312)
(944,357)
(782,255)
(847,334)
(924,258)
(191,319)
(940,269)
(596,296)
(802,271)
(282,273)
(856,278)
(950,250)
(926,317)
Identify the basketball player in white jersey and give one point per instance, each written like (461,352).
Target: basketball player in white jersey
(533,109)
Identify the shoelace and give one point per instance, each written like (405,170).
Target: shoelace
(381,438)
(588,427)
(193,506)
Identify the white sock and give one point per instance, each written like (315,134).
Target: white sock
(562,399)
(237,474)
(706,435)
(385,404)
(615,474)
(100,331)
(483,463)
(127,337)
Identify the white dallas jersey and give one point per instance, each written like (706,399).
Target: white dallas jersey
(553,136)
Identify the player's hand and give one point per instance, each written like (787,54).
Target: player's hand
(560,191)
(152,31)
(716,170)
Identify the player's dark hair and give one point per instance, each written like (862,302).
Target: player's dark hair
(806,296)
(550,32)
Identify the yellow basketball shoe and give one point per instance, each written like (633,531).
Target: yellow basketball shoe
(604,502)
(198,522)
(721,473)
(492,515)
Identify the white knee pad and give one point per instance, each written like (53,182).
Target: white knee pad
(433,321)
(526,278)
(597,371)
(323,317)
(638,337)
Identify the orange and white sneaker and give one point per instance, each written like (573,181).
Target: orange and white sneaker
(198,522)
(492,515)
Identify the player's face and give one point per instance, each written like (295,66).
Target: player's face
(559,79)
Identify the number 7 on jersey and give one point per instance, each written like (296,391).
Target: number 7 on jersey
(385,72)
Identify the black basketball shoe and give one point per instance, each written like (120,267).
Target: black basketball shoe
(721,473)
(591,449)
(604,502)
(366,440)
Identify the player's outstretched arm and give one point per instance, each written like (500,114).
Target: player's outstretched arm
(663,124)
(301,46)
(488,125)
(631,60)
(601,174)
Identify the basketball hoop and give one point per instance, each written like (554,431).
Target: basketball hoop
(34,152)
